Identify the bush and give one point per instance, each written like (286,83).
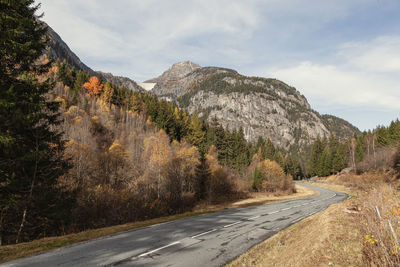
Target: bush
(268,176)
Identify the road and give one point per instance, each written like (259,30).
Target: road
(206,240)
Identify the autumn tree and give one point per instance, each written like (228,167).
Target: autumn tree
(273,177)
(93,86)
(157,153)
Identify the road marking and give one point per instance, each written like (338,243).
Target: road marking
(298,219)
(204,233)
(232,224)
(157,249)
(286,209)
(312,213)
(273,212)
(255,217)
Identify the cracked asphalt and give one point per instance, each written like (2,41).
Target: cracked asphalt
(206,240)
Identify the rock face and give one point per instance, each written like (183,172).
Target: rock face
(262,107)
(180,76)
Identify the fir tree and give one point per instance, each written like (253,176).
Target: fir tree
(201,175)
(31,150)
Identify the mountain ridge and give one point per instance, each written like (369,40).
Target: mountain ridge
(263,107)
(260,106)
(57,49)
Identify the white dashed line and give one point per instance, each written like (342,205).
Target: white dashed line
(255,217)
(204,233)
(155,250)
(298,219)
(273,212)
(231,224)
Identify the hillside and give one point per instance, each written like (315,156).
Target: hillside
(340,127)
(262,107)
(57,49)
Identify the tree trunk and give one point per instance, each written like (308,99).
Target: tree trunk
(30,195)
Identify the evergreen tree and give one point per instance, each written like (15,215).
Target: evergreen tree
(316,151)
(30,150)
(269,150)
(81,78)
(258,178)
(201,175)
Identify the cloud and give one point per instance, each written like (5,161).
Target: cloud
(333,85)
(134,38)
(380,55)
(336,52)
(366,74)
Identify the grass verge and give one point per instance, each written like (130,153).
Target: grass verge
(12,252)
(331,237)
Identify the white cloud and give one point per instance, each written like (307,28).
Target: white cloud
(134,38)
(364,76)
(333,85)
(380,55)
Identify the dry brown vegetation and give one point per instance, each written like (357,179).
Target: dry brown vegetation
(349,233)
(268,176)
(330,237)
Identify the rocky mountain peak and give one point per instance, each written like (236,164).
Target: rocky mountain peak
(176,71)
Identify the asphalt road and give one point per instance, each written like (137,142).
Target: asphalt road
(206,240)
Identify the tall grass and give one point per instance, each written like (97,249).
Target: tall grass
(379,245)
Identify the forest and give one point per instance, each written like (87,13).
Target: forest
(78,152)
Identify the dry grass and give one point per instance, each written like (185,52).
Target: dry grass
(380,248)
(11,252)
(330,237)
(346,234)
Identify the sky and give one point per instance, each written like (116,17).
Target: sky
(342,55)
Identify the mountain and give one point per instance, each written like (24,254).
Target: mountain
(121,81)
(180,76)
(57,49)
(340,127)
(260,106)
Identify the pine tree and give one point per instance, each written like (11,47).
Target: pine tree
(31,150)
(201,175)
(269,150)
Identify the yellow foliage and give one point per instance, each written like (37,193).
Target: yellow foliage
(62,99)
(212,159)
(77,119)
(72,111)
(274,177)
(190,158)
(95,119)
(157,149)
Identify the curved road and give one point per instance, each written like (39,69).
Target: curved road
(206,240)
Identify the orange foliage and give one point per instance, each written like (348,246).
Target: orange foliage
(94,86)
